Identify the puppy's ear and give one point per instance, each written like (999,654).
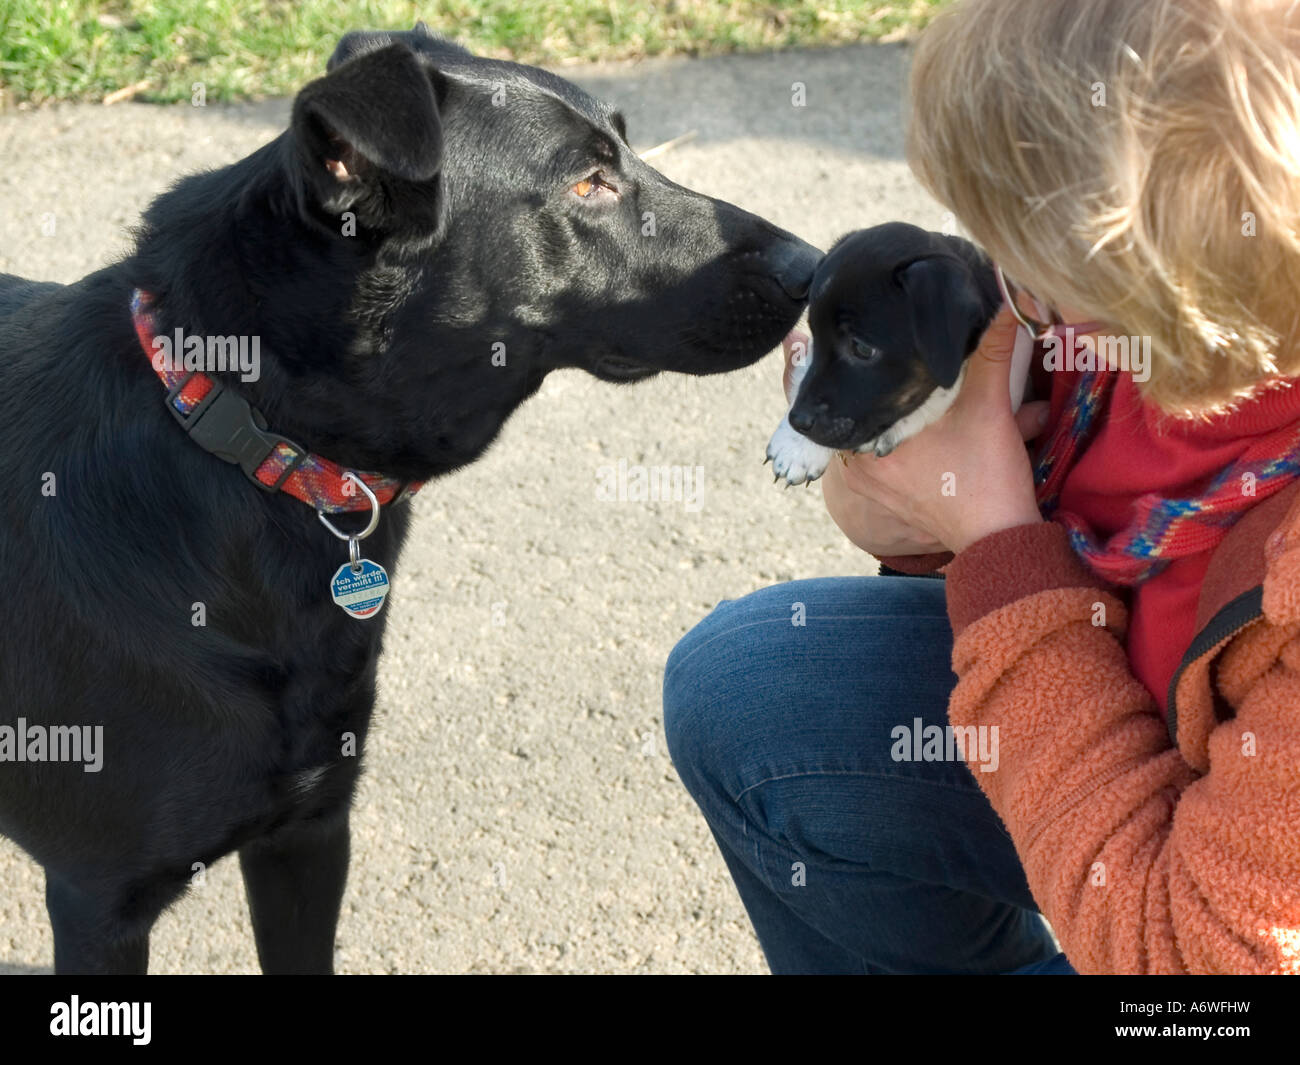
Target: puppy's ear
(948,313)
(368,132)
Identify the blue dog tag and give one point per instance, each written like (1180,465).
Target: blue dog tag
(360,592)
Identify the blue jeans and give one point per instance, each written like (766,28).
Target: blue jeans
(847,860)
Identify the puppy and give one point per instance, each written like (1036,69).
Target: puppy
(895,312)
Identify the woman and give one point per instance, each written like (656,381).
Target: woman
(1115,643)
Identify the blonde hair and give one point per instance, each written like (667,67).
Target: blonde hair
(1136,160)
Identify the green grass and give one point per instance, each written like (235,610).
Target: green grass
(83,50)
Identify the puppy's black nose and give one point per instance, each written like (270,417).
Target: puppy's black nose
(792,263)
(801,420)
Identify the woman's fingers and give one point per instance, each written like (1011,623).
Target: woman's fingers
(865,520)
(796,345)
(988,373)
(864,477)
(1031,418)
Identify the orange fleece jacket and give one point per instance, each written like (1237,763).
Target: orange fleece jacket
(1147,854)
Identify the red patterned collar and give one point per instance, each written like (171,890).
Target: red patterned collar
(222,422)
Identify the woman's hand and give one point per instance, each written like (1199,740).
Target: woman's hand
(963,478)
(867,522)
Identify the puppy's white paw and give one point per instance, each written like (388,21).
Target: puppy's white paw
(884,444)
(796,458)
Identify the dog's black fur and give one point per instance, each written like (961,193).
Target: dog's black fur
(475,226)
(894,312)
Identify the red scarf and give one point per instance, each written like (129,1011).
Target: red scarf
(1171,486)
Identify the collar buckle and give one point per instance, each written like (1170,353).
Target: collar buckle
(224,424)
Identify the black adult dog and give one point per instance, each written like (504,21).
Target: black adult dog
(433,234)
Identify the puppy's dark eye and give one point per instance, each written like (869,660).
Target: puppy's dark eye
(594,188)
(864,351)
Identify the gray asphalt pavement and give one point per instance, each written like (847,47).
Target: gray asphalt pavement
(519,812)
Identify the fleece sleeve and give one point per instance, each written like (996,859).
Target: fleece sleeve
(1141,864)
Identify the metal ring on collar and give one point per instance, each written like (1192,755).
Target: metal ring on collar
(374,512)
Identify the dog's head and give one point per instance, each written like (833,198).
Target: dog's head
(454,228)
(435,233)
(894,312)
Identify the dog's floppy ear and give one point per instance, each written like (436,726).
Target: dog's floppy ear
(365,129)
(358,42)
(947,313)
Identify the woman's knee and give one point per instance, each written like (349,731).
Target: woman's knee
(733,681)
(718,667)
(694,689)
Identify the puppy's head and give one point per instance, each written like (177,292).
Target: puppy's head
(894,312)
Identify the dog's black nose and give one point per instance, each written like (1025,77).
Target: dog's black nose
(801,420)
(792,263)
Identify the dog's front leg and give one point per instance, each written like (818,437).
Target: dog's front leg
(295,880)
(794,456)
(91,936)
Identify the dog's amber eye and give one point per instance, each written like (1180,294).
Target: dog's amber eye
(591,188)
